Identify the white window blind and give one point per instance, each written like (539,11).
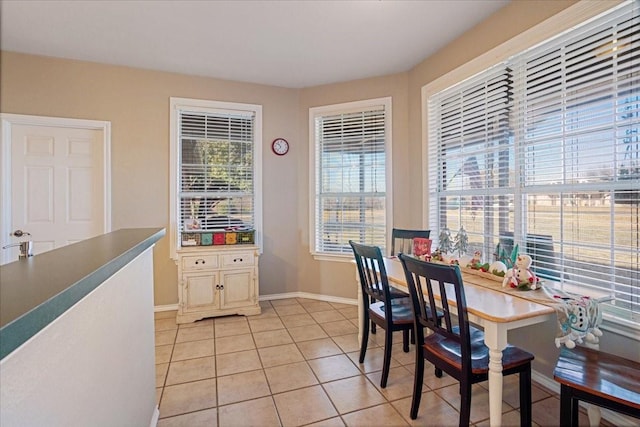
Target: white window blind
(216,172)
(350,179)
(560,174)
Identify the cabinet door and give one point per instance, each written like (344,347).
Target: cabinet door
(200,291)
(238,288)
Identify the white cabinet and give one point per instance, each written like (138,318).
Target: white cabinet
(217,282)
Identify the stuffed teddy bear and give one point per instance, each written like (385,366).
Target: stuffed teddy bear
(521,276)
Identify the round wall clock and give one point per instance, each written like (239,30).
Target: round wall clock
(280,146)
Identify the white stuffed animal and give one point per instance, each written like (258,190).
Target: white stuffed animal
(521,276)
(582,320)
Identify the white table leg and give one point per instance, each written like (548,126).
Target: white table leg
(495,337)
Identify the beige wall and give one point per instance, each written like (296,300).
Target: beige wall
(136,103)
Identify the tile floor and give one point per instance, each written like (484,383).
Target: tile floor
(296,364)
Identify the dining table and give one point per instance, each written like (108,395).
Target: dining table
(495,311)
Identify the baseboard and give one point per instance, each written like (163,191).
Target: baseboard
(613,417)
(327,298)
(155,417)
(169,307)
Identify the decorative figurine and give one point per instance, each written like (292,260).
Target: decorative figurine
(521,276)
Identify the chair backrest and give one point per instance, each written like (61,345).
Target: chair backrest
(425,281)
(404,240)
(373,275)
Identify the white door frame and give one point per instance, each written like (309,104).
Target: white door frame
(6,123)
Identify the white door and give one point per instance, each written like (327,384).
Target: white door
(57,184)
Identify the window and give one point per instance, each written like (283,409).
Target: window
(543,151)
(350,167)
(215,167)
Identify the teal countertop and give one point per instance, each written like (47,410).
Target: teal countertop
(35,291)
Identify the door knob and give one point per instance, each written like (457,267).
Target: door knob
(20,233)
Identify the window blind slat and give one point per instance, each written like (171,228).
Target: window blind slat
(543,151)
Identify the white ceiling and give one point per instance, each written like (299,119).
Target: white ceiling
(282,43)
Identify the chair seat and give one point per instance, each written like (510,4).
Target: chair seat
(600,374)
(449,350)
(400,309)
(397,293)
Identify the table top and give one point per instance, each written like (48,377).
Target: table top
(482,301)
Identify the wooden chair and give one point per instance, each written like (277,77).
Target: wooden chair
(457,350)
(599,378)
(404,240)
(391,314)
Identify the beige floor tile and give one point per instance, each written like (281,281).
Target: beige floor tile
(307,333)
(511,418)
(193,349)
(280,355)
(287,310)
(373,359)
(352,394)
(233,363)
(191,370)
(234,343)
(192,333)
(284,301)
(349,343)
(257,412)
(158,395)
(399,383)
(206,418)
(265,304)
(331,422)
(341,327)
(163,353)
(314,306)
(230,329)
(319,348)
(430,380)
(339,306)
(327,316)
(333,368)
(266,324)
(295,320)
(265,312)
(381,415)
(271,338)
(479,401)
(305,406)
(242,386)
(166,337)
(350,312)
(546,412)
(165,324)
(290,377)
(511,391)
(161,374)
(433,411)
(188,397)
(403,358)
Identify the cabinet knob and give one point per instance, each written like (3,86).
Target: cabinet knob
(237,260)
(200,261)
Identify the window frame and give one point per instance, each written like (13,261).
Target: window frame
(176,105)
(314,112)
(557,25)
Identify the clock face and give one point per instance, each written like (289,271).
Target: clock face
(280,146)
